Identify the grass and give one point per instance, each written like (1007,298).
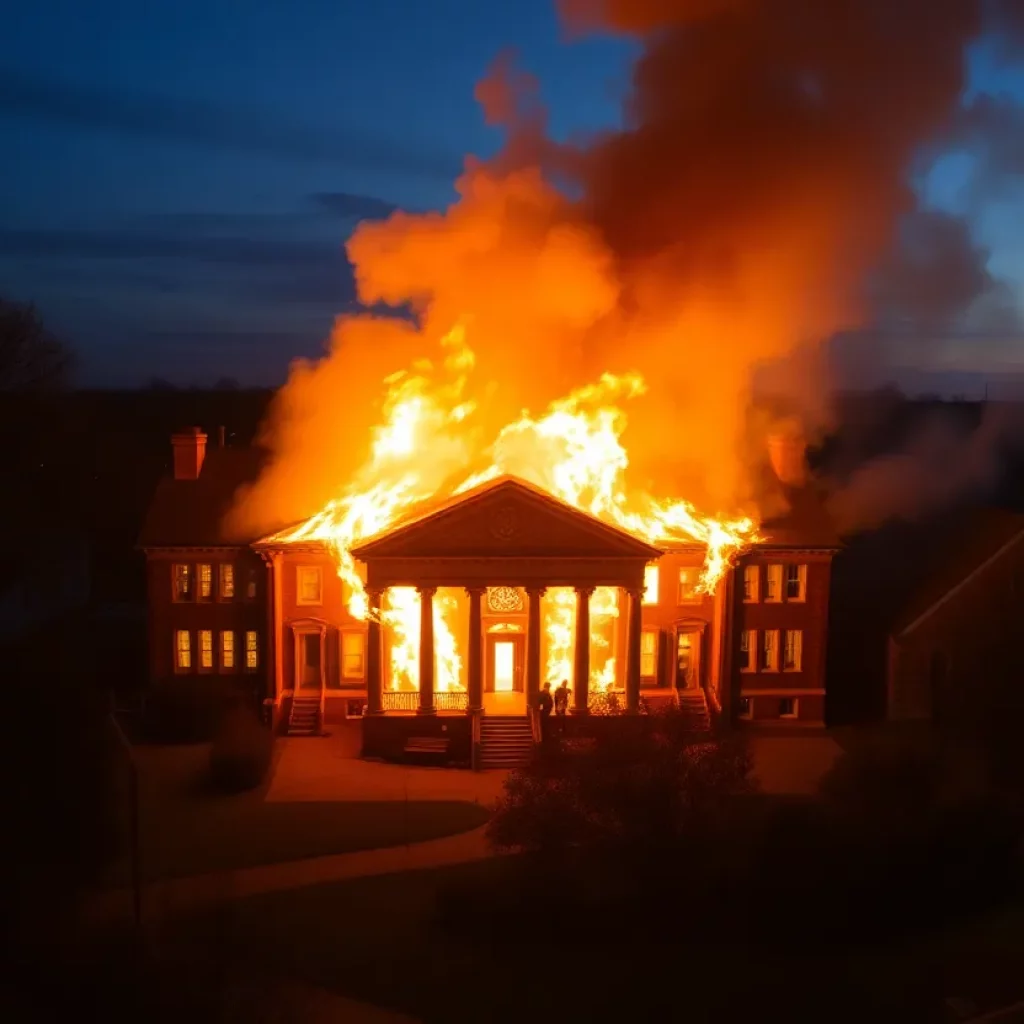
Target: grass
(378,940)
(187,830)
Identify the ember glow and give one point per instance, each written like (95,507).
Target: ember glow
(426,448)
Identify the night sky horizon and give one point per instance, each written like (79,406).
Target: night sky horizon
(181,178)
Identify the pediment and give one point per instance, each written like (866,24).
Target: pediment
(506,517)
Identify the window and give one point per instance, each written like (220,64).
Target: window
(206,649)
(648,654)
(689,577)
(796,582)
(770,659)
(183,583)
(251,584)
(504,599)
(792,659)
(751,583)
(205,574)
(227,581)
(787,707)
(748,650)
(182,650)
(310,584)
(650,584)
(745,707)
(353,656)
(227,650)
(252,650)
(773,583)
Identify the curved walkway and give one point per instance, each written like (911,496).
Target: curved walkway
(182,895)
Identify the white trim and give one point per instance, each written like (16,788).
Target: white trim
(928,612)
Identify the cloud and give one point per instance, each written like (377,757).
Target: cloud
(207,124)
(357,207)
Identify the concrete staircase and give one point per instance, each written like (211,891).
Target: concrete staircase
(304,717)
(693,705)
(506,741)
(658,702)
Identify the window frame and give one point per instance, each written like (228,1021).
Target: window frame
(200,634)
(200,596)
(342,675)
(187,572)
(751,650)
(694,596)
(801,582)
(798,665)
(748,714)
(795,713)
(299,599)
(651,594)
(654,632)
(226,569)
(775,572)
(176,636)
(222,649)
(771,665)
(752,573)
(255,649)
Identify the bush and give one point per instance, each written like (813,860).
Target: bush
(188,709)
(241,752)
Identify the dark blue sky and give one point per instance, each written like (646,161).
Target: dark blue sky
(179,177)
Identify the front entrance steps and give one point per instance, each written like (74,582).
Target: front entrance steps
(304,717)
(506,741)
(692,704)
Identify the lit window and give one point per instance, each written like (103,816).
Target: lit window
(182,650)
(353,651)
(792,659)
(748,648)
(689,577)
(787,707)
(310,584)
(227,649)
(771,650)
(252,650)
(796,582)
(205,574)
(227,581)
(206,648)
(183,583)
(751,583)
(773,587)
(650,584)
(648,654)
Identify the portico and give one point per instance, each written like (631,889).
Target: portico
(506,558)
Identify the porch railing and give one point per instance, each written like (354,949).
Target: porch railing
(409,700)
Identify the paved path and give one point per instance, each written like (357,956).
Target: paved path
(182,895)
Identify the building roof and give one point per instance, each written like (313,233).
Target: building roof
(191,513)
(978,538)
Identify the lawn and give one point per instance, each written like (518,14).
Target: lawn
(186,830)
(378,940)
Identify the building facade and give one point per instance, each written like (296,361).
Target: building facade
(478,604)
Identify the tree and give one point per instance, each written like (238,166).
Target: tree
(32,360)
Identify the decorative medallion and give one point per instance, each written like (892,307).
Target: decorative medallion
(503,523)
(504,599)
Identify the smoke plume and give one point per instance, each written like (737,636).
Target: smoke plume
(727,229)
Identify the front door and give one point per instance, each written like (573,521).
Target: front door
(309,657)
(687,659)
(504,686)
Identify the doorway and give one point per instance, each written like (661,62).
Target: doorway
(504,683)
(309,660)
(688,660)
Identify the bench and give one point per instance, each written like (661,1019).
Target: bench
(426,745)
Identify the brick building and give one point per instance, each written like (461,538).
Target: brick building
(496,561)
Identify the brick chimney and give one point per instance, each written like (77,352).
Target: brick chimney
(189,451)
(786,451)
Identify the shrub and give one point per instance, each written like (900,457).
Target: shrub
(184,710)
(241,752)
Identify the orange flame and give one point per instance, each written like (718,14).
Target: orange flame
(574,451)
